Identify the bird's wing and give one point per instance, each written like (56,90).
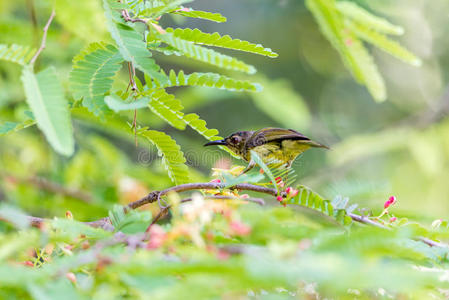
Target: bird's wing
(270,134)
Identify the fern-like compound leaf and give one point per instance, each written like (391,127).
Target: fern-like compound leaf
(308,198)
(168,108)
(352,51)
(212,80)
(362,16)
(15,53)
(92,75)
(45,96)
(171,154)
(9,127)
(384,43)
(130,44)
(189,49)
(189,12)
(215,39)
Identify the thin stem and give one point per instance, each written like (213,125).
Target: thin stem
(44,37)
(154,196)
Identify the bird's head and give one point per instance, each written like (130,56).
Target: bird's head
(235,142)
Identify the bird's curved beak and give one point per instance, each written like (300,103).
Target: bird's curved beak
(218,142)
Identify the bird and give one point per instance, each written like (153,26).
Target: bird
(271,144)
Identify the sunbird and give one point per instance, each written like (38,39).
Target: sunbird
(271,144)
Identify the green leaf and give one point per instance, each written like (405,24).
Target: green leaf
(383,42)
(308,198)
(358,14)
(17,243)
(199,125)
(212,80)
(189,49)
(256,158)
(157,11)
(9,127)
(168,108)
(117,104)
(92,75)
(131,222)
(130,43)
(215,39)
(73,229)
(45,96)
(354,54)
(15,53)
(171,154)
(189,12)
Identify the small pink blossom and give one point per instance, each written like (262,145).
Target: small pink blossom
(185,9)
(244,196)
(291,192)
(69,215)
(392,219)
(239,228)
(28,263)
(157,236)
(223,255)
(279,198)
(389,202)
(215,181)
(70,276)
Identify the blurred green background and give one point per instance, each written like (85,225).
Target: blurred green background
(399,147)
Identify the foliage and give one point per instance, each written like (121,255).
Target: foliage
(345,25)
(45,97)
(123,90)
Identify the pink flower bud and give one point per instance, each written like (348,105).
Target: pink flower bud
(390,201)
(215,181)
(239,228)
(28,263)
(157,237)
(69,215)
(291,192)
(70,276)
(279,198)
(392,219)
(244,196)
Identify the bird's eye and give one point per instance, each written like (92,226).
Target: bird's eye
(235,140)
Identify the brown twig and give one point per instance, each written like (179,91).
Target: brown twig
(44,37)
(127,18)
(154,196)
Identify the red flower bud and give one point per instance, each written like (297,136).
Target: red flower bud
(390,201)
(28,263)
(279,198)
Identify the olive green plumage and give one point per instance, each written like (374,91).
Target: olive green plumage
(271,144)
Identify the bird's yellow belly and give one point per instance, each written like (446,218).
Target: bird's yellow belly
(281,152)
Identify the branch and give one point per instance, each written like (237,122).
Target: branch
(127,18)
(44,37)
(155,196)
